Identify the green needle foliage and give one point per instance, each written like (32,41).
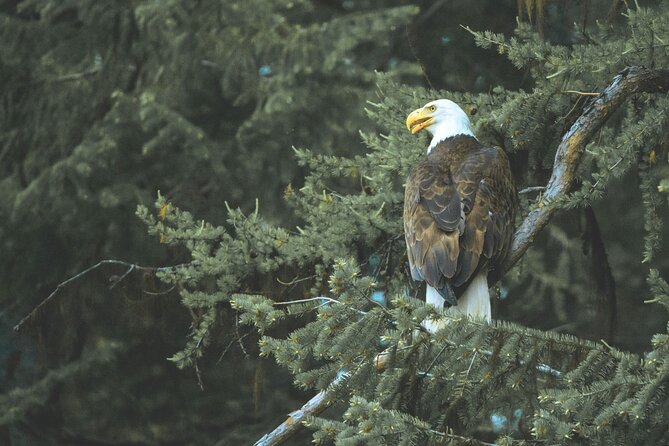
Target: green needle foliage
(274,131)
(446,388)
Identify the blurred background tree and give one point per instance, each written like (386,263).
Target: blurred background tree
(106,103)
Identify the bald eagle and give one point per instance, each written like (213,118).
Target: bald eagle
(459,210)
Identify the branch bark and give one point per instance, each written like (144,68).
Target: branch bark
(630,81)
(293,423)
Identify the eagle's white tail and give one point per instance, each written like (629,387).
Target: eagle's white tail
(432,297)
(475,302)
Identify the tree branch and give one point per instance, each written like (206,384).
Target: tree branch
(630,81)
(293,423)
(131,267)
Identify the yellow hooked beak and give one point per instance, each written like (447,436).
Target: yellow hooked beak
(418,120)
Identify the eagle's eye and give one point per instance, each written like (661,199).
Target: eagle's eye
(433,108)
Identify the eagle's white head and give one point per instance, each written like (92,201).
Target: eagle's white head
(442,118)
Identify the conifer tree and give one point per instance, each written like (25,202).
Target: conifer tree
(471,382)
(325,286)
(103,103)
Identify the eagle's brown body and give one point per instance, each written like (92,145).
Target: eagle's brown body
(459,209)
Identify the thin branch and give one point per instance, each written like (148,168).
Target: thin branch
(227,347)
(295,280)
(120,279)
(311,299)
(531,189)
(54,293)
(580,93)
(74,76)
(467,440)
(240,338)
(160,293)
(199,377)
(630,81)
(60,79)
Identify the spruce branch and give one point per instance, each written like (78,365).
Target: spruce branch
(630,81)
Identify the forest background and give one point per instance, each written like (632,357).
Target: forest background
(245,124)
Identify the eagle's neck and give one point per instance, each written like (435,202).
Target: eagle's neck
(448,128)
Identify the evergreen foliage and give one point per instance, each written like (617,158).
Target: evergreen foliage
(317,268)
(448,386)
(102,104)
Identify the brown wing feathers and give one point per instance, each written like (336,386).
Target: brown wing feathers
(458,212)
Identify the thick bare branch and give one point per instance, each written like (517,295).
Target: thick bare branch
(630,81)
(293,423)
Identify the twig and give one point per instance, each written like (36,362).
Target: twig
(311,299)
(74,76)
(295,280)
(594,186)
(414,53)
(199,376)
(487,39)
(581,93)
(120,279)
(227,347)
(630,81)
(530,189)
(131,267)
(466,440)
(434,360)
(160,293)
(240,338)
(64,78)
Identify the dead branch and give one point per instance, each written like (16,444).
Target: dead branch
(630,81)
(131,267)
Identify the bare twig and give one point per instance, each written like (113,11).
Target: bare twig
(199,377)
(125,274)
(581,93)
(54,293)
(295,280)
(311,299)
(227,347)
(160,293)
(75,76)
(60,79)
(531,189)
(630,81)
